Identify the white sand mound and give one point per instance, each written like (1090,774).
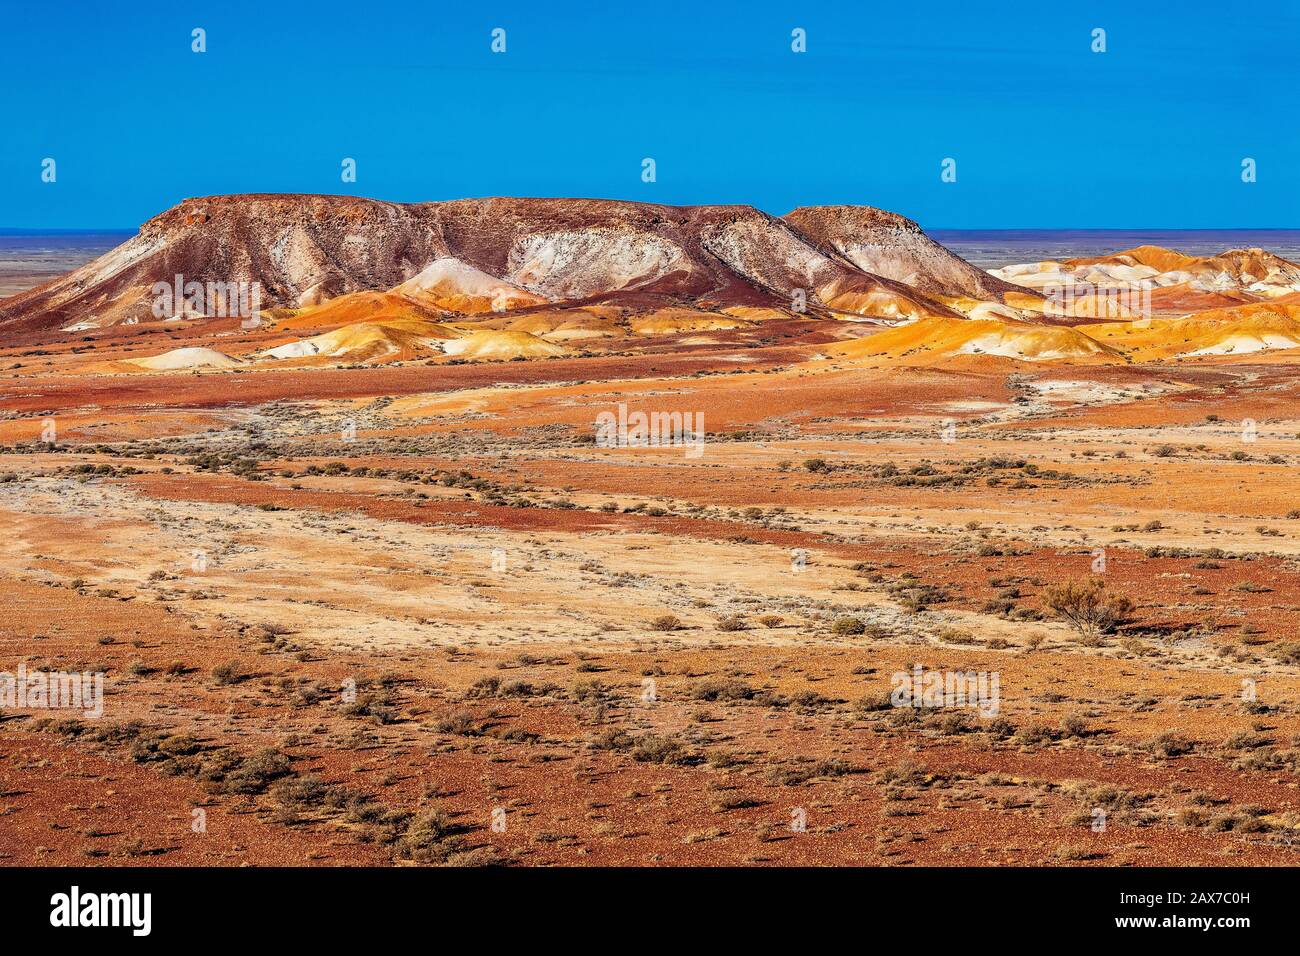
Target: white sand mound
(83,326)
(452,284)
(191,357)
(1243,343)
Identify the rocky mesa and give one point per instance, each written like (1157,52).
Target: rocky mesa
(499,254)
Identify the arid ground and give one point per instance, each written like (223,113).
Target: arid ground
(368,582)
(412,613)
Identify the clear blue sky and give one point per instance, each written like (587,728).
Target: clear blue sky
(1045,133)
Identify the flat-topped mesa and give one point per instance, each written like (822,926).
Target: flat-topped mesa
(893,246)
(472,255)
(717,256)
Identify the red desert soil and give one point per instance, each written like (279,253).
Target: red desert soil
(413,613)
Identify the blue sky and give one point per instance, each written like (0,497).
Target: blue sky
(1045,132)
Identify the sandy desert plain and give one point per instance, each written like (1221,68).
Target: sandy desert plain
(379,599)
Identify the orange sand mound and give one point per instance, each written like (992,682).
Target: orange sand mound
(1186,297)
(488,345)
(752,313)
(940,338)
(873,302)
(1256,327)
(567,325)
(358,307)
(368,341)
(1157,257)
(1029,301)
(670,321)
(1254,269)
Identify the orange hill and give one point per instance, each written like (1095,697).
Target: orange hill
(389,341)
(359,307)
(937,339)
(1256,327)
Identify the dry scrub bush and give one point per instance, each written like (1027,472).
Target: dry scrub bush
(1083,606)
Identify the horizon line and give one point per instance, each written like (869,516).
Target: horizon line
(39,230)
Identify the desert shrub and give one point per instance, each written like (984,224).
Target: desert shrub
(231,672)
(721,690)
(612,739)
(1288,652)
(1034,734)
(848,626)
(1000,728)
(523,688)
(666,622)
(118,734)
(426,838)
(906,773)
(590,692)
(916,596)
(952,635)
(872,703)
(1168,744)
(178,745)
(308,791)
(1083,605)
(374,704)
(255,773)
(954,722)
(484,687)
(1246,740)
(810,698)
(654,748)
(68,727)
(460,722)
(1073,726)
